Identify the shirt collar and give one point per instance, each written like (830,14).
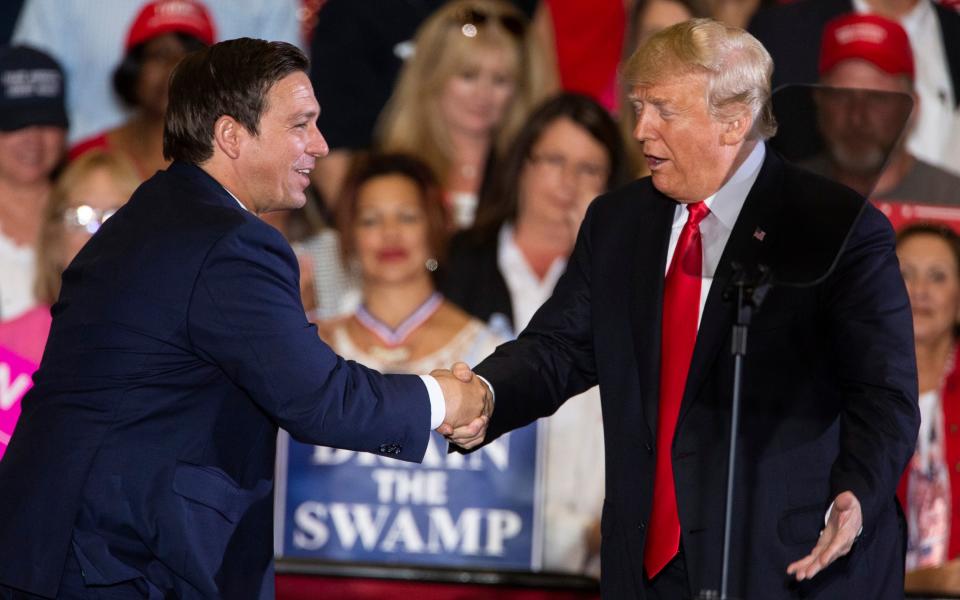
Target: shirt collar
(725,203)
(237,200)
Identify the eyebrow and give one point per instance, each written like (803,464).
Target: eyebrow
(310,115)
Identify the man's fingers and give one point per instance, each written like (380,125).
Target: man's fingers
(462,372)
(471,434)
(470,430)
(445,429)
(840,545)
(802,567)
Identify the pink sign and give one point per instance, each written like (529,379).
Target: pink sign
(15,380)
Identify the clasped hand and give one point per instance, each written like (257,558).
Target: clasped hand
(469,405)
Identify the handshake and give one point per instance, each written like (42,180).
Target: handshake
(469,404)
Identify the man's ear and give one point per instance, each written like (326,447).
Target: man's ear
(737,129)
(228,135)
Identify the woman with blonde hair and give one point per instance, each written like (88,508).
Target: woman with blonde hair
(472,80)
(88,191)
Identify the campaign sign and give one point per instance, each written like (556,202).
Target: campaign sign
(15,380)
(903,213)
(476,511)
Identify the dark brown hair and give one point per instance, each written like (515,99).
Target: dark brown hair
(500,200)
(229,78)
(126,77)
(370,166)
(937,230)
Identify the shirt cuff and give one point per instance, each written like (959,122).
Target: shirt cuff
(826,518)
(438,408)
(493,394)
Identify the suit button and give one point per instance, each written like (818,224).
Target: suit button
(390,448)
(642,526)
(649,448)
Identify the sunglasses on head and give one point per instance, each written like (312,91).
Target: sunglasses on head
(471,19)
(86,217)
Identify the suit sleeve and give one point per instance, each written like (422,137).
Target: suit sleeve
(871,333)
(246,317)
(552,359)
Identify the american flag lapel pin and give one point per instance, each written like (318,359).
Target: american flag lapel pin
(759,234)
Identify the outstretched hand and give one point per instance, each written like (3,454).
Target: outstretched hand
(836,539)
(469,405)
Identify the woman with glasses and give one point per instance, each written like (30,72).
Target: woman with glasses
(87,192)
(506,266)
(473,77)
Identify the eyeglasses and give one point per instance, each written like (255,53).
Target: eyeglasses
(471,19)
(556,164)
(86,217)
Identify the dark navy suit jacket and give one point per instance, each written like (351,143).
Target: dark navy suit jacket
(830,396)
(178,346)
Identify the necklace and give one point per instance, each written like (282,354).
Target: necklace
(396,337)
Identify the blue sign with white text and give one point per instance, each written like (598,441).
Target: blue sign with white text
(480,510)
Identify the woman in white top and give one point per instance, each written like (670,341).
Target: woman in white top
(929,257)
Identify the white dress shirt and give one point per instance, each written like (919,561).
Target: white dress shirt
(715,229)
(527,291)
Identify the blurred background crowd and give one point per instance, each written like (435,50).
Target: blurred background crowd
(467,139)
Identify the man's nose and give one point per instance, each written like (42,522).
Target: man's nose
(643,130)
(317,145)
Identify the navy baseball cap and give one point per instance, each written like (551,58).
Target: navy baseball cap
(31,89)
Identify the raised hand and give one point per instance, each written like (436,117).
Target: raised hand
(469,405)
(836,539)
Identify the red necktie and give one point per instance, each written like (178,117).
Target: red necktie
(681,310)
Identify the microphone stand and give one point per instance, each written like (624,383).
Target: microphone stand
(750,295)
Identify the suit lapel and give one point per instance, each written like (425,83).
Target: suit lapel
(646,301)
(745,246)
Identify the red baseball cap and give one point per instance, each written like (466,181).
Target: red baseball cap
(171,16)
(868,37)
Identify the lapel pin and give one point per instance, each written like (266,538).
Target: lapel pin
(759,234)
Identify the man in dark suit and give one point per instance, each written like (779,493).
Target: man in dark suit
(829,413)
(142,465)
(792,32)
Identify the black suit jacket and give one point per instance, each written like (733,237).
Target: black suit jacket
(830,400)
(472,279)
(146,447)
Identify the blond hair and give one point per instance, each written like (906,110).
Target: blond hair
(50,244)
(411,122)
(738,68)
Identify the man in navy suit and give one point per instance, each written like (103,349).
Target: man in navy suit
(142,465)
(829,413)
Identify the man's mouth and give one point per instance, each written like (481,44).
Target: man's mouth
(654,161)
